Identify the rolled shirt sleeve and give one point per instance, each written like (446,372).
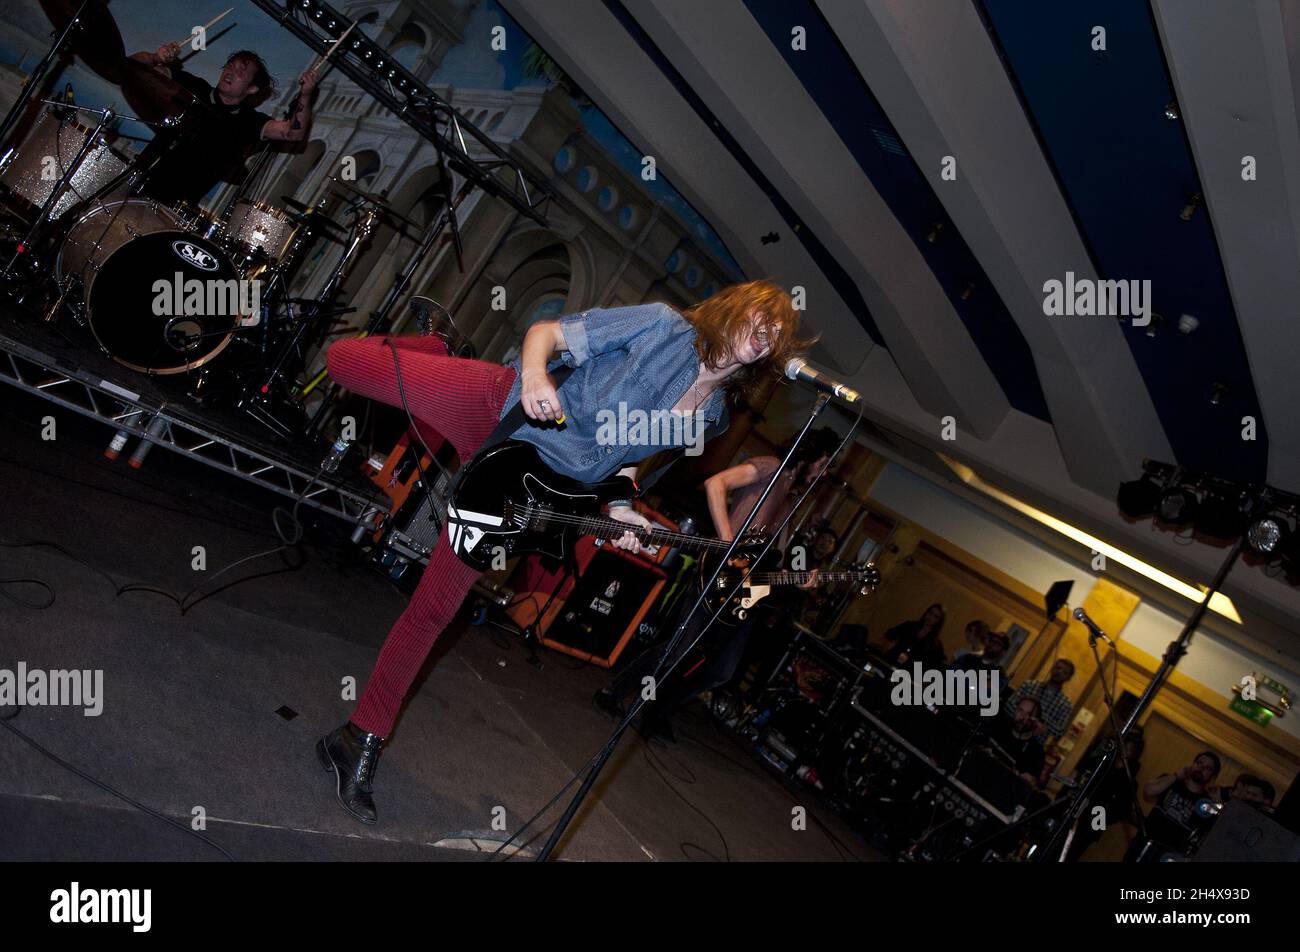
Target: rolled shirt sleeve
(591,333)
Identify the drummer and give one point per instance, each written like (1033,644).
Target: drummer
(210,145)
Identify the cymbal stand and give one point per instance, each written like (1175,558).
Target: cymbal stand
(26,242)
(255,399)
(379,319)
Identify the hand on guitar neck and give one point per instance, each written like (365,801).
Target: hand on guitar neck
(628,540)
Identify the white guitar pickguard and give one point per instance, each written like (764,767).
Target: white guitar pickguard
(466,529)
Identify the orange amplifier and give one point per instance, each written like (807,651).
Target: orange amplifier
(593,625)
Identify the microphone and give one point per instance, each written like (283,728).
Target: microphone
(1082,616)
(799,369)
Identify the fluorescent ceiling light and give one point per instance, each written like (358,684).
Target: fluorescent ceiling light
(1219,603)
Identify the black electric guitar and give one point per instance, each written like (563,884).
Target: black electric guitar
(509,501)
(761,582)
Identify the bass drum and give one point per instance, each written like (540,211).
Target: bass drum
(159,300)
(104,229)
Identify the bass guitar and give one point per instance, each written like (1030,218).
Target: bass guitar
(760,584)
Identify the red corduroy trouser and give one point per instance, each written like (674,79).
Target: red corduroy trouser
(452,398)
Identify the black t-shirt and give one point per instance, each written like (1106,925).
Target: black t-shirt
(1174,818)
(207,147)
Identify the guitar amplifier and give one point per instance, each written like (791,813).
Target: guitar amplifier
(602,611)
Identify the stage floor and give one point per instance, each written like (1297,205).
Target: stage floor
(190,701)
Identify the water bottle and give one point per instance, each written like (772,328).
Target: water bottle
(336,454)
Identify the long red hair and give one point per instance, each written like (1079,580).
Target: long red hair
(718,320)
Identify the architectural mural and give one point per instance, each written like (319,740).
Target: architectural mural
(613,238)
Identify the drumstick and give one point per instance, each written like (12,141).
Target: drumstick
(330,51)
(207,26)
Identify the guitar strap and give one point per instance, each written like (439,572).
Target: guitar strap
(515,418)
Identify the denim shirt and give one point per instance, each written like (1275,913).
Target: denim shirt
(642,356)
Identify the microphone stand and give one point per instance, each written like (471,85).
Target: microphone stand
(1064,834)
(612,743)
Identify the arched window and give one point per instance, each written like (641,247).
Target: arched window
(407,48)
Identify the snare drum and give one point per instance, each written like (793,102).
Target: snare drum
(29,177)
(259,229)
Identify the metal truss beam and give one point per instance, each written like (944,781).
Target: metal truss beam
(318,25)
(122,409)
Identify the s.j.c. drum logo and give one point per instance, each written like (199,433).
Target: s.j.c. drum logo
(193,254)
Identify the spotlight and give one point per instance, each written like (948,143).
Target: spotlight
(1177,507)
(1267,535)
(1138,498)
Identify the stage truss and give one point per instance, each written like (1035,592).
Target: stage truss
(179,429)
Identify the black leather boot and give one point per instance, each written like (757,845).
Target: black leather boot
(352,754)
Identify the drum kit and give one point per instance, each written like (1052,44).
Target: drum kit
(80,238)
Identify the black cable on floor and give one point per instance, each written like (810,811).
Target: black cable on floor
(650,758)
(840,846)
(184,828)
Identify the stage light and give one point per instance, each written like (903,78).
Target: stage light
(1177,507)
(1267,535)
(1219,603)
(1138,498)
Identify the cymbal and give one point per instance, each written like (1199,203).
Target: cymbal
(325,226)
(375,200)
(153,96)
(97,42)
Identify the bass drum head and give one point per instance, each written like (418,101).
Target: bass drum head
(165,303)
(104,229)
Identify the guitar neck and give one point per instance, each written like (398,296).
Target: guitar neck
(607,528)
(802,578)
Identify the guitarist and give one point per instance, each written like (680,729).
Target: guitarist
(745,483)
(648,356)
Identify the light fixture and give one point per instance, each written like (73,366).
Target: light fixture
(1220,604)
(1267,535)
(1138,498)
(1177,507)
